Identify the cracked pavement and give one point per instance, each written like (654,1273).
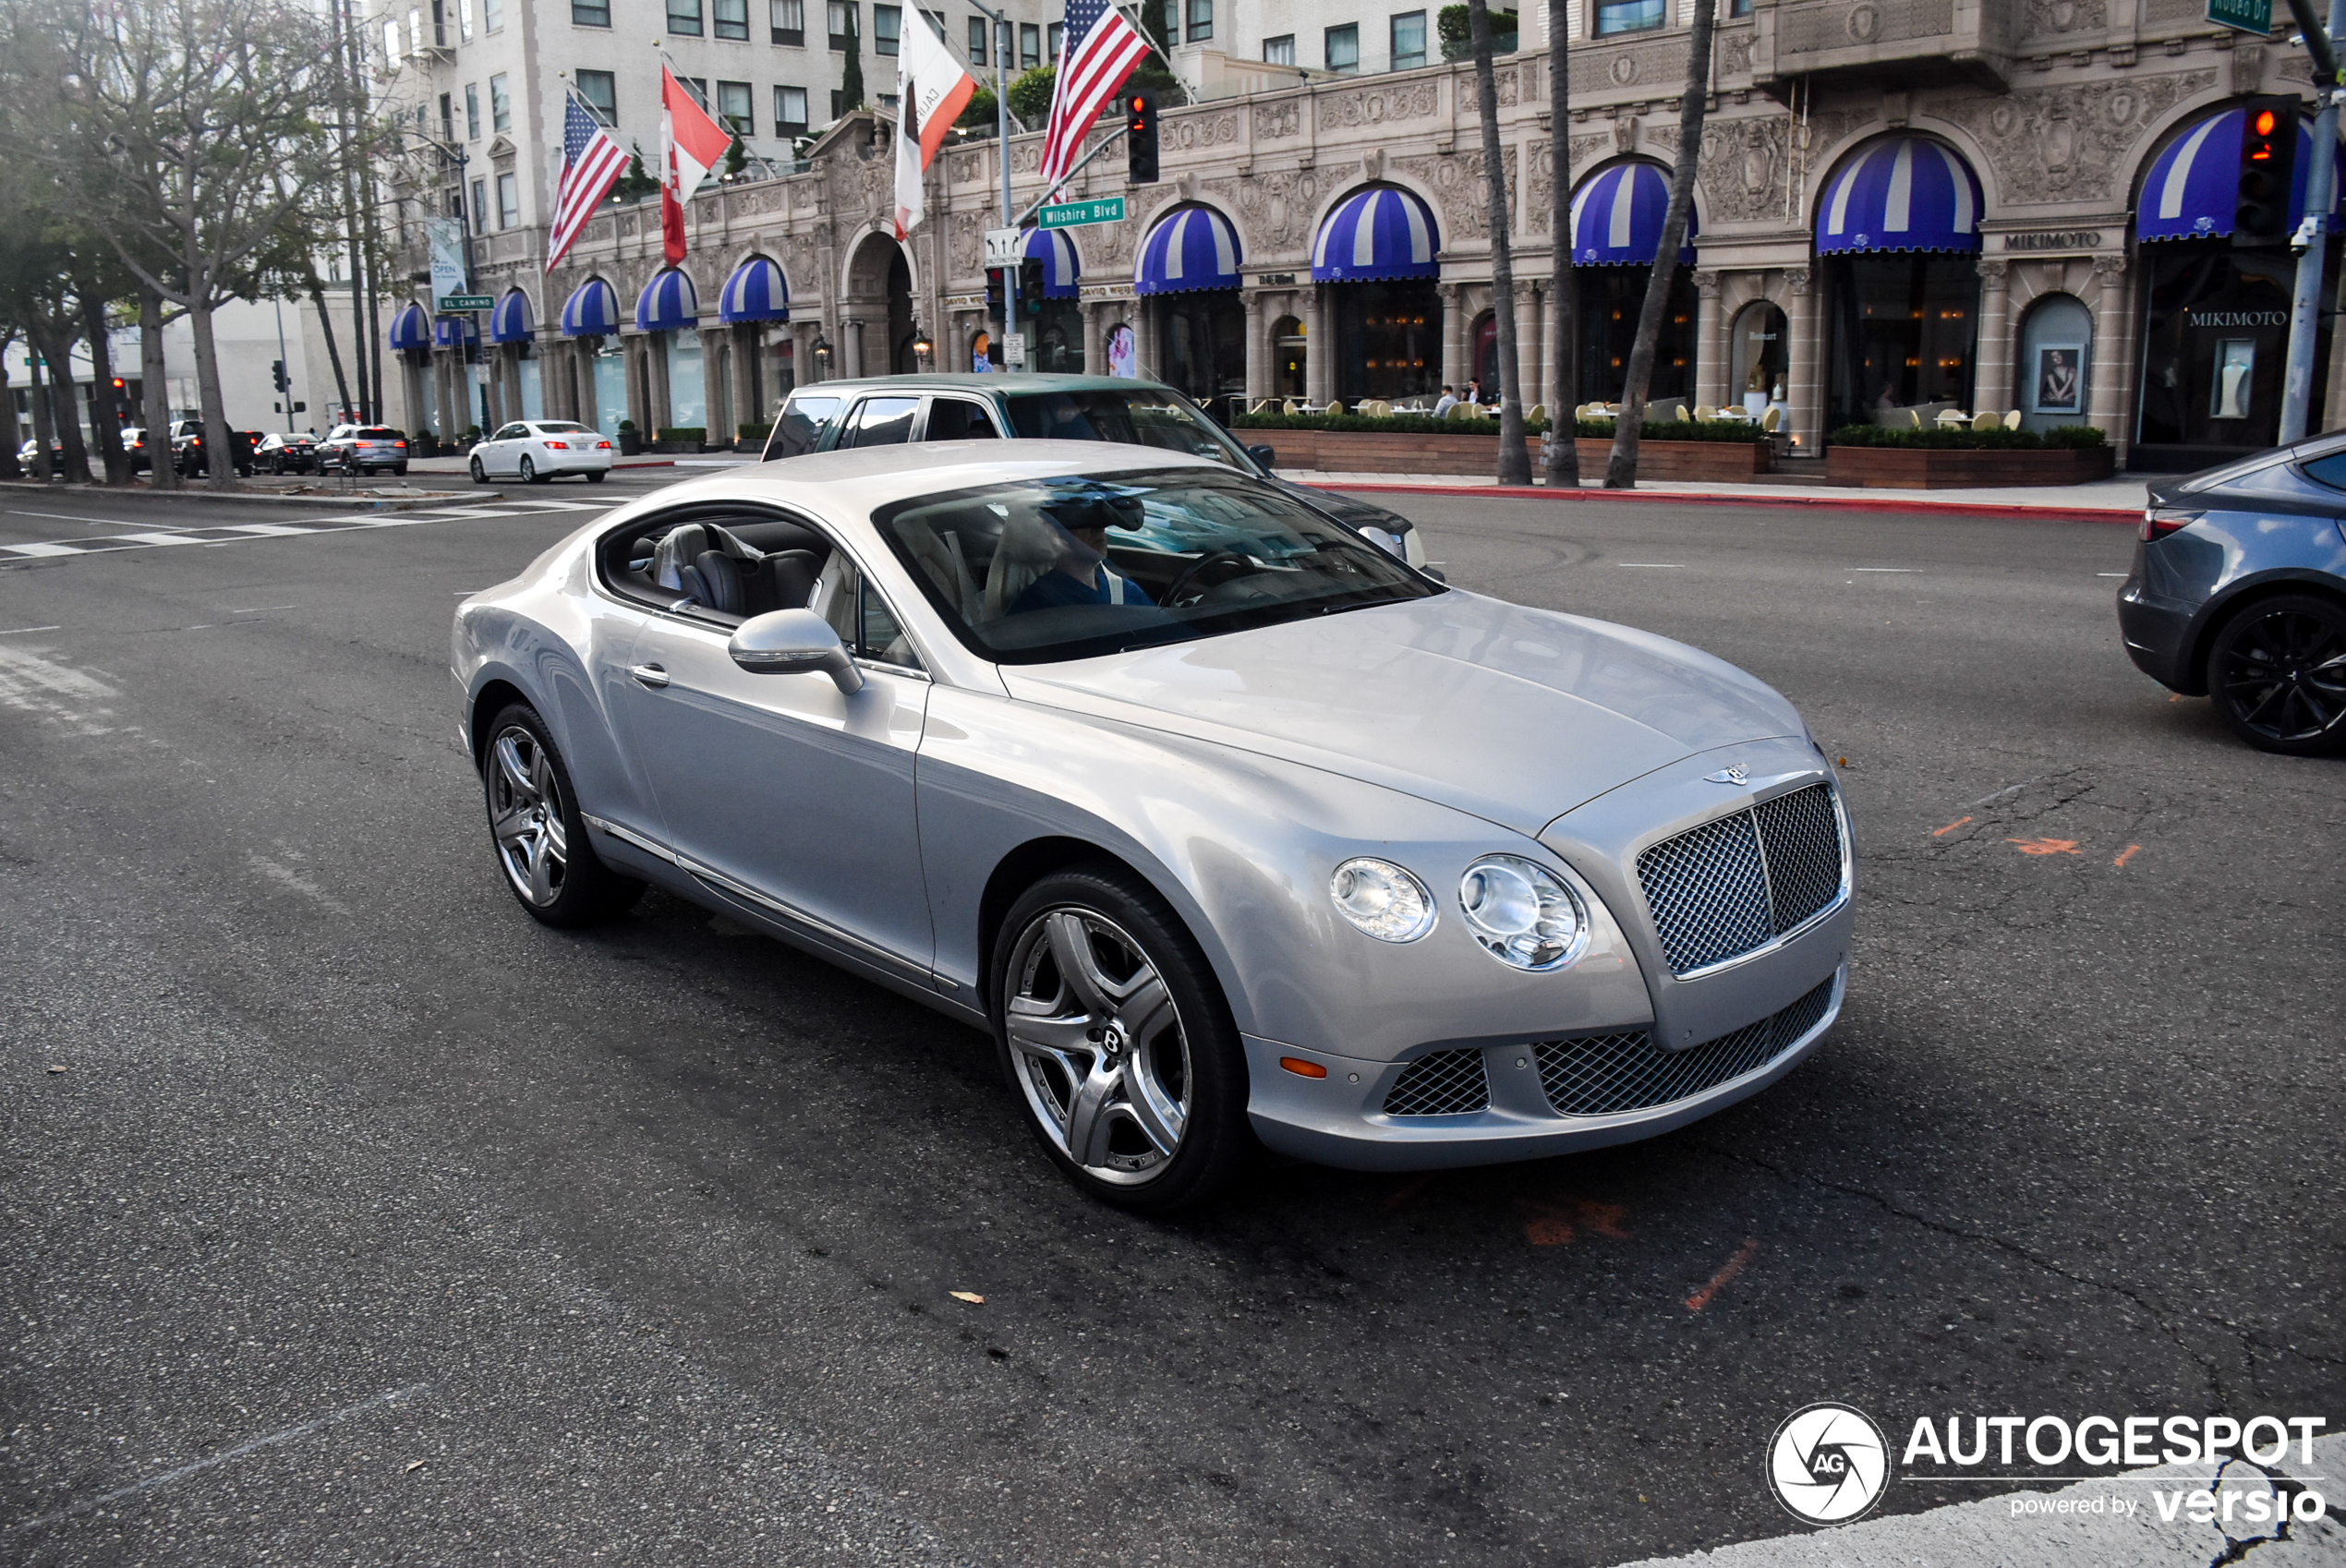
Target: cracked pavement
(661,1223)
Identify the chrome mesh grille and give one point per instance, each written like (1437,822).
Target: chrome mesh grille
(1727,887)
(1608,1073)
(1802,838)
(1447,1083)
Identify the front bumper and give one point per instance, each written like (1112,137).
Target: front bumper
(1340,1120)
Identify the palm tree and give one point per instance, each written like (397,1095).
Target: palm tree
(1515,464)
(1621,470)
(1563,456)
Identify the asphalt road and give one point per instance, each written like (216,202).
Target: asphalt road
(352,1216)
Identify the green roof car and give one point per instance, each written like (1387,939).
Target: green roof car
(891,410)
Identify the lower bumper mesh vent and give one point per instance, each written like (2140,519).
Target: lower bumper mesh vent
(1447,1083)
(1606,1074)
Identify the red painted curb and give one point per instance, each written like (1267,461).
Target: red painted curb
(1956,508)
(647,462)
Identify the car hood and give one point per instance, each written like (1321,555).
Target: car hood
(1515,714)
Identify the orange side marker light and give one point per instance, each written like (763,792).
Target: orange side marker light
(1303,1069)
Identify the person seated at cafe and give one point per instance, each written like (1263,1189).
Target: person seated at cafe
(1448,401)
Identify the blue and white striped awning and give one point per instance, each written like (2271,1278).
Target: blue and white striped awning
(1194,248)
(591,312)
(410,329)
(1616,218)
(454,331)
(756,292)
(510,321)
(1905,193)
(2193,189)
(668,303)
(1062,270)
(1380,232)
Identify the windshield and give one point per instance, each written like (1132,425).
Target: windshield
(1140,417)
(1053,569)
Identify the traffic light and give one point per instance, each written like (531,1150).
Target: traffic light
(1140,134)
(277,376)
(1030,286)
(2268,165)
(993,292)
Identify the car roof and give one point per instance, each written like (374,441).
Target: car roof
(967,381)
(852,483)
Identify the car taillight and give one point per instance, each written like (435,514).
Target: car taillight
(602,446)
(2160,521)
(557,446)
(401,445)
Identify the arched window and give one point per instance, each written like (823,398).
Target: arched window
(2056,361)
(1288,357)
(1616,233)
(1898,243)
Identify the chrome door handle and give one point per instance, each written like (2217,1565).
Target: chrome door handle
(650,675)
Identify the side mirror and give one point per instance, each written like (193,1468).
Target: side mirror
(1264,455)
(794,641)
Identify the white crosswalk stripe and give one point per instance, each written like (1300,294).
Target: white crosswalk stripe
(239,532)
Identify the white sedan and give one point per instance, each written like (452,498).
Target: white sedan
(534,450)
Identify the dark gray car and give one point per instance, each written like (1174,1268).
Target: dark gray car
(2239,593)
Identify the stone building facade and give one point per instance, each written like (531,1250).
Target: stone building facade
(2058,109)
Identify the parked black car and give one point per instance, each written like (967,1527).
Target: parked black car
(188,442)
(282,452)
(2238,593)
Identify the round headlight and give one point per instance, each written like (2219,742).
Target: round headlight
(1522,913)
(1382,899)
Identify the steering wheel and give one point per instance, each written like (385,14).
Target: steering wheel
(1197,568)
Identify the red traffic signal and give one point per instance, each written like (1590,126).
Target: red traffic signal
(1140,135)
(2268,164)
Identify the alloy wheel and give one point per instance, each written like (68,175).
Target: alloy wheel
(528,472)
(525,814)
(480,474)
(2283,673)
(1098,1045)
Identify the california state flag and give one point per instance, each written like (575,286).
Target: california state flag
(931,92)
(692,144)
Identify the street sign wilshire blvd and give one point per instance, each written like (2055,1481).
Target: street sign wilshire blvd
(1103,209)
(2246,15)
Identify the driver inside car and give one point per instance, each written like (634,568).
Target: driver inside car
(1081,573)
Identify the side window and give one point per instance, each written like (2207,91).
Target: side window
(512,433)
(800,430)
(883,421)
(860,616)
(957,419)
(2330,470)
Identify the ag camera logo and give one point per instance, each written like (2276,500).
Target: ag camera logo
(1828,1463)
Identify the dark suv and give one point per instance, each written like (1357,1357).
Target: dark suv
(2239,593)
(189,446)
(885,410)
(361,449)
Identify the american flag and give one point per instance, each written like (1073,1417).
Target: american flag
(591,165)
(1098,50)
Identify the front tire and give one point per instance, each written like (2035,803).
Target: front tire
(1116,1039)
(536,832)
(2277,675)
(480,474)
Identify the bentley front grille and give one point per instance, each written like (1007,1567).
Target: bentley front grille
(1447,1083)
(1605,1074)
(1727,887)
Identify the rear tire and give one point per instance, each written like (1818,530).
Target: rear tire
(536,832)
(2277,672)
(1126,1061)
(597,475)
(529,473)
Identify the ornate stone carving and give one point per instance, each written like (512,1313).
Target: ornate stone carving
(2068,143)
(1706,282)
(1735,52)
(966,168)
(2061,16)
(1742,169)
(1607,72)
(1180,132)
(1379,105)
(1625,133)
(2108,270)
(1273,121)
(1460,189)
(1796,280)
(1274,208)
(2248,66)
(966,249)
(1994,271)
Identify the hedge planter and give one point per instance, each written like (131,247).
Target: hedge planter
(1929,468)
(1476,456)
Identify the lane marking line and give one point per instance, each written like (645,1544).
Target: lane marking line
(393,1397)
(1655,565)
(39,550)
(1735,1266)
(1900,569)
(19,631)
(85,517)
(1942,832)
(2045,846)
(2126,854)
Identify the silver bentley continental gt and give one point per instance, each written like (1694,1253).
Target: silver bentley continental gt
(1234,830)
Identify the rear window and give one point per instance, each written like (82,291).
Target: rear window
(378,433)
(800,430)
(1137,418)
(557,427)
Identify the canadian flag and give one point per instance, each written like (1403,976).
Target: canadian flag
(931,92)
(691,145)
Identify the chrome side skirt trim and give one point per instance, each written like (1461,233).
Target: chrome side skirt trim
(812,924)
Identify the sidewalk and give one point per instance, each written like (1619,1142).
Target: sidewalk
(2113,501)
